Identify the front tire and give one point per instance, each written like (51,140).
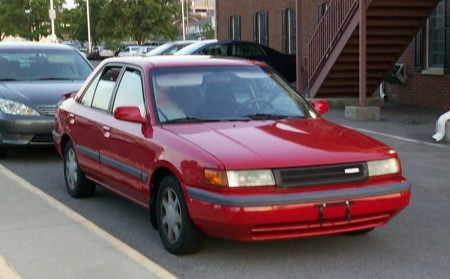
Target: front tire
(360,232)
(178,233)
(77,184)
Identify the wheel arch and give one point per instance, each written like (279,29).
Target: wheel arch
(157,176)
(63,143)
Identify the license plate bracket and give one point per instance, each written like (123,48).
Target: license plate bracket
(322,206)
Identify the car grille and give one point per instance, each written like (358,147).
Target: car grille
(48,110)
(320,175)
(42,139)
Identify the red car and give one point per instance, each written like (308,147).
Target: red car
(225,148)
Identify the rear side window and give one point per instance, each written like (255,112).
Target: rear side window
(215,50)
(246,50)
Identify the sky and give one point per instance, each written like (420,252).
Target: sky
(69,4)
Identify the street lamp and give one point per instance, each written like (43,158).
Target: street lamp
(88,26)
(52,15)
(182,20)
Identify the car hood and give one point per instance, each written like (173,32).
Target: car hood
(35,93)
(277,144)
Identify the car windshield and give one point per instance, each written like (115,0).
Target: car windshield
(224,93)
(192,48)
(160,50)
(42,64)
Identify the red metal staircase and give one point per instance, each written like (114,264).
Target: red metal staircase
(391,25)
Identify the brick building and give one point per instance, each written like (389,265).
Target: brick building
(274,23)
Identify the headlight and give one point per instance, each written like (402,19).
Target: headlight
(242,178)
(383,167)
(16,108)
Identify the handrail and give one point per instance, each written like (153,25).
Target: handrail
(328,31)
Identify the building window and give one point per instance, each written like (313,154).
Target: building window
(234,28)
(260,28)
(321,9)
(289,31)
(436,37)
(433,42)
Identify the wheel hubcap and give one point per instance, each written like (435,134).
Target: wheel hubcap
(71,169)
(171,215)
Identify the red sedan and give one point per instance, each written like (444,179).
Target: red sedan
(225,148)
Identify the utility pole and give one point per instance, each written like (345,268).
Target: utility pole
(88,26)
(182,20)
(52,15)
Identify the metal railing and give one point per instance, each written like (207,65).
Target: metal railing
(328,32)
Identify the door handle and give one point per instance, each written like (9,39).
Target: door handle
(71,118)
(106,131)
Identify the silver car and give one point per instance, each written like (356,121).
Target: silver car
(34,77)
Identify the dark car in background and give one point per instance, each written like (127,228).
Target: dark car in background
(100,53)
(34,77)
(285,64)
(169,48)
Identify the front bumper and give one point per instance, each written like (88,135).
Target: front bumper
(293,215)
(26,130)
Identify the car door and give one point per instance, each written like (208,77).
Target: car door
(122,152)
(86,121)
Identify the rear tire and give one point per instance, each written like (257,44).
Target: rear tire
(77,184)
(3,152)
(178,233)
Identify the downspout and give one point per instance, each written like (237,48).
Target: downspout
(299,44)
(440,126)
(362,52)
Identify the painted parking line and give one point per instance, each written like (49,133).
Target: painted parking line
(398,137)
(133,254)
(7,271)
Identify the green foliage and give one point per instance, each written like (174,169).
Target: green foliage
(208,31)
(111,21)
(26,19)
(138,20)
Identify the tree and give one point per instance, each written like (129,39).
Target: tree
(138,19)
(75,20)
(26,18)
(208,31)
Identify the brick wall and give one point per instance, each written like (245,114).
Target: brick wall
(422,90)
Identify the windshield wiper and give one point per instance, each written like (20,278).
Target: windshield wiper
(8,79)
(190,119)
(54,78)
(268,116)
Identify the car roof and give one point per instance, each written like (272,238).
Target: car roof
(33,45)
(182,61)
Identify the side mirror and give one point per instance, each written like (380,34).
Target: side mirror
(321,106)
(130,114)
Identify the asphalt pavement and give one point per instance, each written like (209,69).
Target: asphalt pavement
(42,238)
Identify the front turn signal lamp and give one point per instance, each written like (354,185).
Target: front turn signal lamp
(238,178)
(384,167)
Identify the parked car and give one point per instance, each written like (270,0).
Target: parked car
(34,77)
(100,53)
(169,48)
(225,148)
(143,50)
(129,51)
(285,64)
